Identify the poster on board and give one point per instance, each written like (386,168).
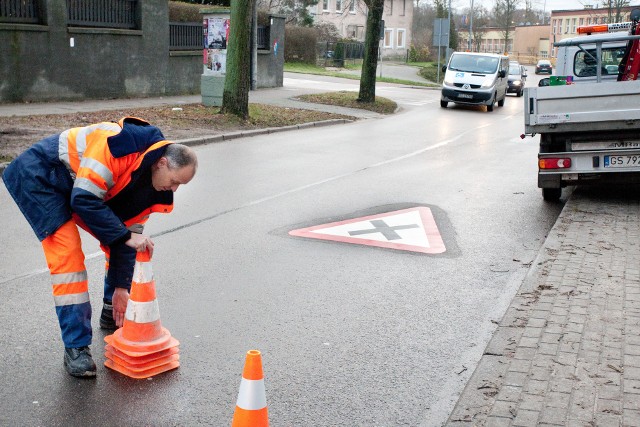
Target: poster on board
(216,34)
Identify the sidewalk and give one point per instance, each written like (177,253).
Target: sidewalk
(567,352)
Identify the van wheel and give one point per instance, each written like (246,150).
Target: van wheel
(519,94)
(551,194)
(501,102)
(490,106)
(444,104)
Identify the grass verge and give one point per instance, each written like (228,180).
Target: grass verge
(294,67)
(350,99)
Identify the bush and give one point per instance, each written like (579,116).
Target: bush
(300,45)
(184,12)
(430,73)
(421,54)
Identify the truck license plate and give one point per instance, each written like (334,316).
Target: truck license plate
(465,95)
(621,161)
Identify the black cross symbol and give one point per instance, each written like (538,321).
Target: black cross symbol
(381,227)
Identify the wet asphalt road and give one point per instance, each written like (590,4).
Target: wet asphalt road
(350,334)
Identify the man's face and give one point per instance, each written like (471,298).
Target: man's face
(164,179)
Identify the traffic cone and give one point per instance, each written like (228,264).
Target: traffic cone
(142,348)
(251,407)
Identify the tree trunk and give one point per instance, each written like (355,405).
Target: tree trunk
(371,46)
(235,98)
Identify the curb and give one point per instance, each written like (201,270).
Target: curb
(490,376)
(201,140)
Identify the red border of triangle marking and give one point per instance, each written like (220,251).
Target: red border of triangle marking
(436,245)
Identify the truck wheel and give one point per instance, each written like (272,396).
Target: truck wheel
(501,102)
(551,194)
(444,104)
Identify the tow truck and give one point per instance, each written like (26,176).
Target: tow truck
(590,125)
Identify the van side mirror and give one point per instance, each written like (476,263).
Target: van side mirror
(444,68)
(502,73)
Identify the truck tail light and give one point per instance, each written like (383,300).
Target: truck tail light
(554,163)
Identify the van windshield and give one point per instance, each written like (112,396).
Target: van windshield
(474,64)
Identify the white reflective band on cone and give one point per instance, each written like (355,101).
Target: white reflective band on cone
(142,312)
(251,396)
(142,273)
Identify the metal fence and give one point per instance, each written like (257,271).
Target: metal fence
(103,13)
(185,36)
(20,11)
(263,37)
(335,54)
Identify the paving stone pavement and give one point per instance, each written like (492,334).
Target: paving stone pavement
(567,352)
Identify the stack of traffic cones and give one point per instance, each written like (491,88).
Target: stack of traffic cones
(142,348)
(251,406)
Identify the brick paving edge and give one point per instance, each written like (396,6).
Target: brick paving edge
(490,376)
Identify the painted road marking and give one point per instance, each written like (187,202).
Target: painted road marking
(412,229)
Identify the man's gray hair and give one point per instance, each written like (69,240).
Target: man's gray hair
(179,156)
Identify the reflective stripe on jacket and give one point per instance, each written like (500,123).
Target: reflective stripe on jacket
(83,171)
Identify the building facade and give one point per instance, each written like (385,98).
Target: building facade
(350,18)
(486,39)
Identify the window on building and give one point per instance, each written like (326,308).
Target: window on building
(352,6)
(559,29)
(553,26)
(573,25)
(390,7)
(581,22)
(544,54)
(339,6)
(404,7)
(566,27)
(400,38)
(325,5)
(388,37)
(352,31)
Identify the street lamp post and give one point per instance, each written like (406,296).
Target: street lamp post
(471,27)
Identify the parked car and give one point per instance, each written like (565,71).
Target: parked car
(517,78)
(544,66)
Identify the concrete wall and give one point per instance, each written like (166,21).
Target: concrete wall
(53,61)
(271,62)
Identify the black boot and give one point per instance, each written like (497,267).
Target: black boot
(106,317)
(78,362)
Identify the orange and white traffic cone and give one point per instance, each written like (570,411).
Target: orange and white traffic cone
(142,348)
(251,407)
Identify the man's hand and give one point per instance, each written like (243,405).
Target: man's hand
(140,243)
(120,300)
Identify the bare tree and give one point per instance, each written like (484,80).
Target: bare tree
(504,11)
(615,9)
(235,97)
(296,11)
(371,46)
(480,20)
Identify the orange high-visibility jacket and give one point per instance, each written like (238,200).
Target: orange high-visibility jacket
(100,173)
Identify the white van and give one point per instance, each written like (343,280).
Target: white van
(475,78)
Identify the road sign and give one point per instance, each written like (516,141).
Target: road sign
(441,32)
(412,229)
